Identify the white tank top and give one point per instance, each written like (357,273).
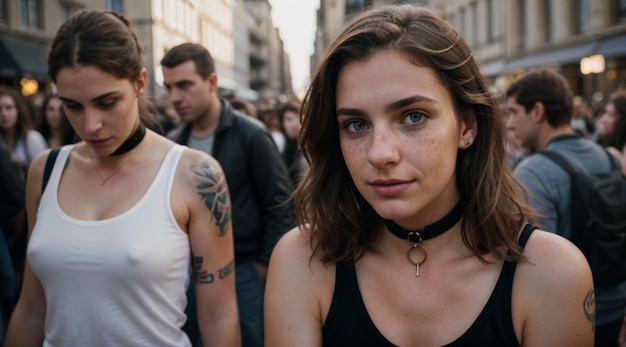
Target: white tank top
(114,282)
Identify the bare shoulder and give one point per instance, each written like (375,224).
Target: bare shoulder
(553,258)
(195,165)
(553,291)
(293,258)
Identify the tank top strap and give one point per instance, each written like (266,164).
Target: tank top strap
(525,235)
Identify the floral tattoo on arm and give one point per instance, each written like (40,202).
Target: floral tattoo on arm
(213,191)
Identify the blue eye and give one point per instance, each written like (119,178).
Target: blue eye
(355,125)
(415,116)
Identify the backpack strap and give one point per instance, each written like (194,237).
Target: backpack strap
(559,160)
(52,157)
(562,162)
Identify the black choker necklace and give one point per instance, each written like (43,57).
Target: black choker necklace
(132,141)
(428,232)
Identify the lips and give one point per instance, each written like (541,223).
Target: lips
(389,187)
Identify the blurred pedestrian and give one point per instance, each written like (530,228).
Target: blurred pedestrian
(412,229)
(540,112)
(289,115)
(126,213)
(612,127)
(53,125)
(256,174)
(16,129)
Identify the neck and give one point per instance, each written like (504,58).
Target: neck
(430,231)
(553,133)
(133,141)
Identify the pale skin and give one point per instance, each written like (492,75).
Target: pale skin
(399,140)
(104,112)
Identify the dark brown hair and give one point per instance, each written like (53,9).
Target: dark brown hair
(24,122)
(618,139)
(548,87)
(341,222)
(67,132)
(190,51)
(104,39)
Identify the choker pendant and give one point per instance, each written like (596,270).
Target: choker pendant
(415,237)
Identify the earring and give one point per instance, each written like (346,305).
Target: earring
(467,142)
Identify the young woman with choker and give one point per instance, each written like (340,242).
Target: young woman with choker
(413,231)
(125,215)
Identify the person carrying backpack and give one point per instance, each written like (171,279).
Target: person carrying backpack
(540,111)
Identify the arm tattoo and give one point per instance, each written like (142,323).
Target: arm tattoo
(200,275)
(213,191)
(203,276)
(589,307)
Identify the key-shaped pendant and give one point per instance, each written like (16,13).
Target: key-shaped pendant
(421,250)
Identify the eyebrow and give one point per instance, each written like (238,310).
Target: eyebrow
(103,96)
(392,106)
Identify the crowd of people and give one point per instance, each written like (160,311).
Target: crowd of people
(399,203)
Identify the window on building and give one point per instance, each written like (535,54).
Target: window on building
(3,11)
(115,5)
(490,21)
(30,13)
(548,19)
(583,16)
(621,9)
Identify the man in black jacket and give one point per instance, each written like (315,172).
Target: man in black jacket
(257,178)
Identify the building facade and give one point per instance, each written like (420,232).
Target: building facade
(247,49)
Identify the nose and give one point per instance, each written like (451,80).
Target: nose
(509,123)
(93,121)
(173,95)
(384,146)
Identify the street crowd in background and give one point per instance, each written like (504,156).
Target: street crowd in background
(257,145)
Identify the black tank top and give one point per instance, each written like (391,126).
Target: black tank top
(349,324)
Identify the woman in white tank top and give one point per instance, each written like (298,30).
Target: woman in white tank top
(126,217)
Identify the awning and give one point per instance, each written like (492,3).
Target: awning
(613,46)
(565,55)
(22,59)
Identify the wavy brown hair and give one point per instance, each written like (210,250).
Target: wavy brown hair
(342,224)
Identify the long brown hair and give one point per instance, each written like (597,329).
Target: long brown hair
(341,222)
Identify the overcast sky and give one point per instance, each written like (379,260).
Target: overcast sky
(296,22)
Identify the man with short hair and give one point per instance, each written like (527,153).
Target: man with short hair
(257,177)
(540,107)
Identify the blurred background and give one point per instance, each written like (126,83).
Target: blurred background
(266,49)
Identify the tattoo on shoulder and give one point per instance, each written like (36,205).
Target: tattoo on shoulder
(213,191)
(201,275)
(589,308)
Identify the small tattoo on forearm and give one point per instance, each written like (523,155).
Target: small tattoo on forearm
(213,191)
(200,275)
(203,276)
(589,307)
(226,270)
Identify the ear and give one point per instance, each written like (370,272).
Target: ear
(212,79)
(468,129)
(538,112)
(141,82)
